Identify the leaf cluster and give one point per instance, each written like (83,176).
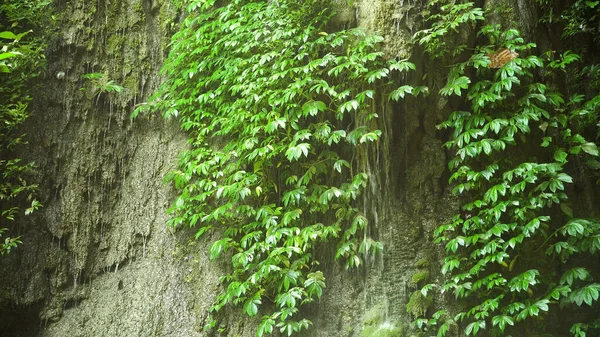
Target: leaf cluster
(516,207)
(101,84)
(274,104)
(21,61)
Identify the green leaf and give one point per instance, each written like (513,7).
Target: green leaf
(201,231)
(573,228)
(313,108)
(575,274)
(218,247)
(590,148)
(455,86)
(588,294)
(6,55)
(370,136)
(251,306)
(560,156)
(564,177)
(8,35)
(402,65)
(265,326)
(542,304)
(443,329)
(295,152)
(349,106)
(593,164)
(399,93)
(376,75)
(502,321)
(579,329)
(474,327)
(315,283)
(566,209)
(290,216)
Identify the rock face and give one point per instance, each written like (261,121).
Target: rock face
(98,260)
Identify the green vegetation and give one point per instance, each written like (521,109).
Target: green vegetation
(21,61)
(418,304)
(375,324)
(384,330)
(274,103)
(102,84)
(422,263)
(523,134)
(419,277)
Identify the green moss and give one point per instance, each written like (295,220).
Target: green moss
(114,45)
(375,325)
(382,330)
(131,83)
(422,263)
(166,15)
(90,44)
(418,304)
(138,8)
(420,276)
(375,315)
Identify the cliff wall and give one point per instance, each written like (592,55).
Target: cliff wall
(98,260)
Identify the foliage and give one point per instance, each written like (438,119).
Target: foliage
(101,82)
(376,323)
(438,40)
(100,85)
(519,247)
(274,105)
(21,61)
(577,17)
(27,14)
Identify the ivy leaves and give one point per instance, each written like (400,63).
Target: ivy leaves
(515,205)
(21,61)
(274,106)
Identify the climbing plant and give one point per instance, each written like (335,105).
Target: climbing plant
(100,84)
(524,140)
(274,103)
(21,61)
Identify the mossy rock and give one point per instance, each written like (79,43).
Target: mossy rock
(376,326)
(418,277)
(418,304)
(375,315)
(422,263)
(382,330)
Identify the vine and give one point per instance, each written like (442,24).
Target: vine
(274,103)
(519,249)
(21,61)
